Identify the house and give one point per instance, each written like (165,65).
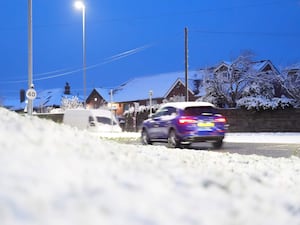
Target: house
(45,100)
(99,97)
(223,70)
(264,66)
(138,91)
(13,104)
(226,69)
(293,73)
(52,98)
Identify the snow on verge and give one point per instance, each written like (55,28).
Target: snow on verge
(51,174)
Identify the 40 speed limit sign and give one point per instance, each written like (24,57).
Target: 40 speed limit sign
(31,94)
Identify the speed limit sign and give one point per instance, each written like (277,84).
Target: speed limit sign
(31,94)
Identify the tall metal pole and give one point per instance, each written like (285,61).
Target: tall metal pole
(30,83)
(81,6)
(111,108)
(186,64)
(150,102)
(84,55)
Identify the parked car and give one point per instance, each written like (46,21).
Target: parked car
(95,120)
(183,123)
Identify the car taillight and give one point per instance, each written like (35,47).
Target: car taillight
(186,120)
(220,119)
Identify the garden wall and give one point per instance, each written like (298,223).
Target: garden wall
(240,120)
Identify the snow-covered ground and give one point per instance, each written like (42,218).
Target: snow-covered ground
(51,174)
(262,137)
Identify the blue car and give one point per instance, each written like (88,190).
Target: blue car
(183,123)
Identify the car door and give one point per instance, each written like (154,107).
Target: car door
(166,121)
(155,123)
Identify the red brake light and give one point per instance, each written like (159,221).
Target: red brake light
(186,120)
(220,119)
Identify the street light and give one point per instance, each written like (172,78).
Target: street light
(30,82)
(150,101)
(81,6)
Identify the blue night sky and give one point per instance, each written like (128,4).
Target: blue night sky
(127,39)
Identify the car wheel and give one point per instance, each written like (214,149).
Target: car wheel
(217,144)
(145,138)
(173,141)
(185,145)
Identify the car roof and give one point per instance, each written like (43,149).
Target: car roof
(183,105)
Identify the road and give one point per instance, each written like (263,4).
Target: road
(236,143)
(265,149)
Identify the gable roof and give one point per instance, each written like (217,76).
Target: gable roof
(261,65)
(104,92)
(223,64)
(257,66)
(138,88)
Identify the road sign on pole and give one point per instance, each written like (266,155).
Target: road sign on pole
(31,94)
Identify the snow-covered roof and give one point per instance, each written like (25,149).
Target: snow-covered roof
(14,104)
(255,66)
(260,65)
(223,63)
(197,74)
(293,67)
(104,92)
(49,97)
(139,88)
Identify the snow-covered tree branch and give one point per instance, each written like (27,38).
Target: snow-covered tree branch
(71,103)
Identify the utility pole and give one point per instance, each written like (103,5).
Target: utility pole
(30,82)
(186,63)
(150,101)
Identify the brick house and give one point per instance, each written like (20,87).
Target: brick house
(167,86)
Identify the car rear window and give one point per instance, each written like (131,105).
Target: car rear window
(197,111)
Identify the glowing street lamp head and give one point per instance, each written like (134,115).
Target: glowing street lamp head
(79,5)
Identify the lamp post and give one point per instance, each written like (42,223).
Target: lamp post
(150,101)
(30,83)
(81,6)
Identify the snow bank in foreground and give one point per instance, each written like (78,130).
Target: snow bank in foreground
(51,174)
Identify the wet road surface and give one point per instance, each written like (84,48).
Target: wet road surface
(265,149)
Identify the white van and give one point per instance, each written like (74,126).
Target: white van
(96,120)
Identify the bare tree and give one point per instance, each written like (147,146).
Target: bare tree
(70,103)
(226,87)
(291,83)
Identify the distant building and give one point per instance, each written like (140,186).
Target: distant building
(44,102)
(138,91)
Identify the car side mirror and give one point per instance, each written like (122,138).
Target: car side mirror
(92,124)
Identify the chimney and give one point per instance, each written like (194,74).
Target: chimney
(67,89)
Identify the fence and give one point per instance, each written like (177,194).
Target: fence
(240,120)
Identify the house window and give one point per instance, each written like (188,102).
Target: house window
(225,75)
(126,106)
(154,102)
